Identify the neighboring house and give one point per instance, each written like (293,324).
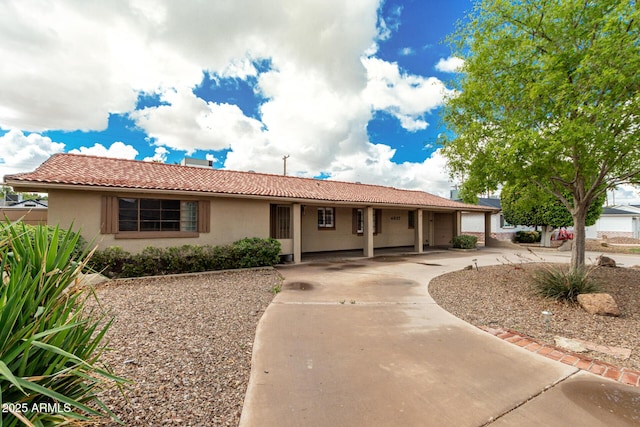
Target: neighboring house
(134,204)
(618,221)
(32,212)
(473,222)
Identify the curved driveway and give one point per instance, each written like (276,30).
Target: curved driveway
(360,342)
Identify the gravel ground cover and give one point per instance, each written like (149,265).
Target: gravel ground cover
(502,296)
(186,343)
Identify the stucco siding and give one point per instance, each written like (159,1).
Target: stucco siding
(80,208)
(340,238)
(395,231)
(230,219)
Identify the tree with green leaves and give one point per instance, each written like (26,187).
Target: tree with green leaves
(549,94)
(527,204)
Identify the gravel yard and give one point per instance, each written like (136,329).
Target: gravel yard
(501,296)
(186,343)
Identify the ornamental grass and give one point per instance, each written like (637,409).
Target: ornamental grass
(50,343)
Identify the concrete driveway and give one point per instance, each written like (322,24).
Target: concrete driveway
(361,343)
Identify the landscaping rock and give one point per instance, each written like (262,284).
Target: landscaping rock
(566,246)
(601,304)
(582,346)
(571,345)
(605,261)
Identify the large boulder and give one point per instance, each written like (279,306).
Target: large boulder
(601,304)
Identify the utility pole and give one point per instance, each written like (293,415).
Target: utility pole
(285,164)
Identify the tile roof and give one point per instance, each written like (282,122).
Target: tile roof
(108,173)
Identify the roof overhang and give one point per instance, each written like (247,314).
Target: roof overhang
(45,187)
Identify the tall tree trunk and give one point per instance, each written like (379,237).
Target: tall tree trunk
(579,214)
(545,239)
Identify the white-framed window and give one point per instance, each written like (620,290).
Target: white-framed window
(359,213)
(326,218)
(358,221)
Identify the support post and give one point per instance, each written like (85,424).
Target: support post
(487,228)
(418,237)
(297,233)
(368,232)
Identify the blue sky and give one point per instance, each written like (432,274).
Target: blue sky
(349,90)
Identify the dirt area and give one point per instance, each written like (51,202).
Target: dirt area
(186,343)
(623,245)
(502,296)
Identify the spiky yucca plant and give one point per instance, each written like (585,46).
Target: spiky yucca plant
(563,284)
(50,344)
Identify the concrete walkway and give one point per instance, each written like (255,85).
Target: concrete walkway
(361,343)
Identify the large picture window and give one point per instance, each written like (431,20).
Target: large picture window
(132,216)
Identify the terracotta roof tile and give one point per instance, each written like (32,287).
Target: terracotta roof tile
(81,170)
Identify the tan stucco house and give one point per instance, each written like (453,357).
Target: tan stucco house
(135,204)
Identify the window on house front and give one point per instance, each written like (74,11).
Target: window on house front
(411,220)
(358,221)
(326,218)
(142,217)
(505,224)
(156,215)
(281,221)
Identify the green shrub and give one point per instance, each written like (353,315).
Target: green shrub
(562,284)
(152,261)
(465,242)
(50,344)
(80,242)
(110,261)
(527,236)
(255,252)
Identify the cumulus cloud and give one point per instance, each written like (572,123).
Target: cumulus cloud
(72,64)
(160,155)
(117,150)
(377,167)
(408,97)
(450,65)
(190,123)
(22,152)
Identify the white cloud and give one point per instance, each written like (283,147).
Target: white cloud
(376,167)
(20,152)
(450,65)
(117,150)
(72,64)
(624,195)
(406,51)
(189,123)
(407,97)
(160,155)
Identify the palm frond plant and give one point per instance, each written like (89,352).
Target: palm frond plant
(50,342)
